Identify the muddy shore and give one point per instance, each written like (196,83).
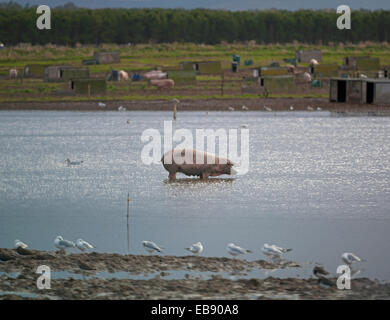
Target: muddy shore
(18,279)
(282,104)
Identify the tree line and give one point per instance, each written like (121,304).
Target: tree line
(95,26)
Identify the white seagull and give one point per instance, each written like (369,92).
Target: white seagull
(236,250)
(20,244)
(230,108)
(150,246)
(196,248)
(350,258)
(73,163)
(310,108)
(83,245)
(62,243)
(101,104)
(291,107)
(121,108)
(267,108)
(273,250)
(244,108)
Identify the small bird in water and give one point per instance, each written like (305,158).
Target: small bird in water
(245,126)
(20,244)
(73,163)
(196,248)
(150,246)
(350,258)
(236,250)
(128,121)
(267,109)
(83,245)
(62,243)
(101,105)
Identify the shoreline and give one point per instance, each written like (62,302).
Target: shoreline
(276,104)
(18,278)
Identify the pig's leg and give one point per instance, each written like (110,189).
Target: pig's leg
(204,176)
(172,176)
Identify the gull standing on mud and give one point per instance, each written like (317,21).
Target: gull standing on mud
(63,244)
(267,109)
(236,250)
(196,248)
(150,246)
(20,244)
(101,104)
(350,258)
(273,250)
(83,245)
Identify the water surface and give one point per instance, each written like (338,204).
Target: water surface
(317,183)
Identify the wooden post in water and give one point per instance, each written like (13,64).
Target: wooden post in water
(175,103)
(128,226)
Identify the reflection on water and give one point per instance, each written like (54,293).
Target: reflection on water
(316,183)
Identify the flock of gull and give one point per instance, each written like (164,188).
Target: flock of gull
(273,252)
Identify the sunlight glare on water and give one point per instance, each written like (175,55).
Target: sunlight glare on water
(316,183)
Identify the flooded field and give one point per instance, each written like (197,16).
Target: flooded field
(317,183)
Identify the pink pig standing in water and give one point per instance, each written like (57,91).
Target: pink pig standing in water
(193,162)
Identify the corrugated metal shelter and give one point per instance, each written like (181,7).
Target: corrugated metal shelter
(307,55)
(182,76)
(271,84)
(202,67)
(35,70)
(65,73)
(357,90)
(325,70)
(107,57)
(362,63)
(273,71)
(89,86)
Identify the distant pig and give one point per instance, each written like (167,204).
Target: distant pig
(163,83)
(123,75)
(193,162)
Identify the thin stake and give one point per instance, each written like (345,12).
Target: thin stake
(128,225)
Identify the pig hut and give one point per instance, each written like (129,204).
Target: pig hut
(358,90)
(88,86)
(271,84)
(107,57)
(34,70)
(182,76)
(325,71)
(202,67)
(65,73)
(307,55)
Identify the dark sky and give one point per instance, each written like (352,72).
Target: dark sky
(218,4)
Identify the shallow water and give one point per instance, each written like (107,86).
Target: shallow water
(317,183)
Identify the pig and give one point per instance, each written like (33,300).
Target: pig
(307,77)
(163,83)
(13,73)
(155,74)
(314,62)
(123,75)
(185,161)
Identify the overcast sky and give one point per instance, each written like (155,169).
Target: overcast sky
(218,4)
